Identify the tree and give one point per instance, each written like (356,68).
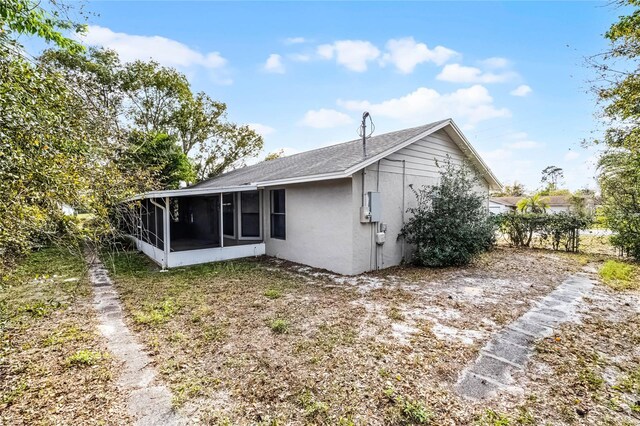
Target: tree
(160,155)
(551,176)
(534,204)
(617,84)
(34,19)
(273,155)
(451,224)
(147,97)
(515,190)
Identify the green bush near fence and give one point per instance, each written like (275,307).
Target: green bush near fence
(561,230)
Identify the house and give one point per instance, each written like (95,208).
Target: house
(556,204)
(335,207)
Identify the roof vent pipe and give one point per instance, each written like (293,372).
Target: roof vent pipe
(363,131)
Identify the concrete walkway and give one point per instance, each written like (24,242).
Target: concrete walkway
(510,349)
(148,402)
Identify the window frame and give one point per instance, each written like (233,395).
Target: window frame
(239,217)
(283,214)
(233,214)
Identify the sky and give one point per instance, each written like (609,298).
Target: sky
(510,74)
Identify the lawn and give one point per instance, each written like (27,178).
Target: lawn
(269,342)
(54,367)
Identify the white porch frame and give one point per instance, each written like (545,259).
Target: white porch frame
(168,259)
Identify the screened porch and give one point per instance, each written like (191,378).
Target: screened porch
(178,230)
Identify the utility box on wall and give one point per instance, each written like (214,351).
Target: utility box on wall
(375,206)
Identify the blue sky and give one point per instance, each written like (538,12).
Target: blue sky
(510,74)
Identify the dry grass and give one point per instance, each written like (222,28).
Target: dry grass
(53,364)
(383,348)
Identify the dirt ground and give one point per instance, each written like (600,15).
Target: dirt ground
(54,366)
(269,342)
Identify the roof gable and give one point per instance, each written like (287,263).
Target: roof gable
(342,160)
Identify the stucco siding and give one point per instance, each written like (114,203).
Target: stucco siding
(420,170)
(318,225)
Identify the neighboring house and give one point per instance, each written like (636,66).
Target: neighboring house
(332,208)
(556,204)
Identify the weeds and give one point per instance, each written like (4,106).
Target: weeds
(409,410)
(156,314)
(272,293)
(279,325)
(619,275)
(40,308)
(493,418)
(395,314)
(313,408)
(83,358)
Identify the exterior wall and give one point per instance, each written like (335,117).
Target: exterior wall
(558,209)
(194,257)
(420,163)
(497,208)
(319,228)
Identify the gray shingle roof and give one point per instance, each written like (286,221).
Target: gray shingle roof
(329,159)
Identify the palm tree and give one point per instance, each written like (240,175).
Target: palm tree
(533,204)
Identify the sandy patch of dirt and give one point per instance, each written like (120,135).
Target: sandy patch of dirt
(347,350)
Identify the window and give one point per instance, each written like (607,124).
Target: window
(278,224)
(250,214)
(228,216)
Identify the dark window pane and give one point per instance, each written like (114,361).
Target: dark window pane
(278,226)
(228,214)
(277,201)
(250,202)
(251,225)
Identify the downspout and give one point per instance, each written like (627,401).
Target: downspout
(164,214)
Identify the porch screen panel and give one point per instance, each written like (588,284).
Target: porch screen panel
(144,229)
(151,223)
(250,214)
(159,228)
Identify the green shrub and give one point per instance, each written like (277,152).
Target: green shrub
(559,229)
(619,275)
(450,224)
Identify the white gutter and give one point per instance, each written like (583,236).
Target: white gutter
(190,191)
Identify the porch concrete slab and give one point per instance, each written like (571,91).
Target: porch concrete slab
(510,349)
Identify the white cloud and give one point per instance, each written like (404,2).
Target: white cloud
(520,140)
(456,73)
(522,90)
(352,54)
(470,106)
(274,64)
(405,54)
(167,52)
(325,119)
(495,62)
(300,57)
(571,155)
(295,40)
(262,129)
(524,144)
